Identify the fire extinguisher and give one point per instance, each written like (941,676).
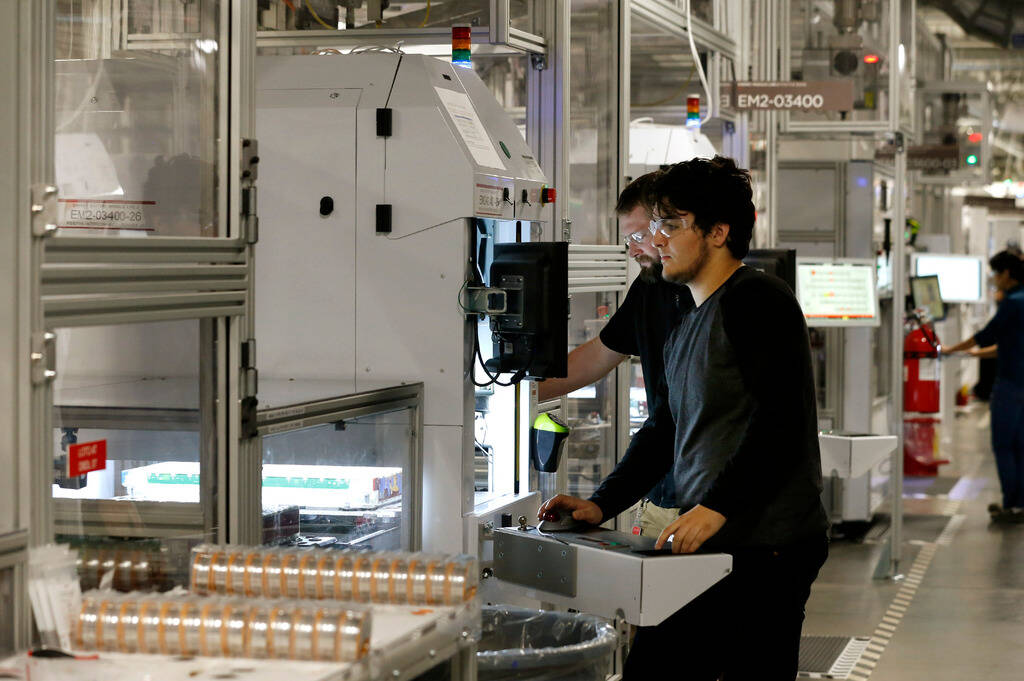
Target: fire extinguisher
(921,369)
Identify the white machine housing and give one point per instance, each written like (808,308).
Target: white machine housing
(338,298)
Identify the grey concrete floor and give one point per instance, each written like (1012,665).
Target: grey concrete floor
(966,620)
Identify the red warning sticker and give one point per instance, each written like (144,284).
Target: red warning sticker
(87,457)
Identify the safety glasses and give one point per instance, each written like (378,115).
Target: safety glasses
(667,226)
(636,238)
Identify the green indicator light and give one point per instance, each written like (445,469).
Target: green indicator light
(504,148)
(972,160)
(461,57)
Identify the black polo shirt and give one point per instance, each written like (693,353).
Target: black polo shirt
(639,327)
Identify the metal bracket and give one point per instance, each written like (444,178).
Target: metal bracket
(44,357)
(250,159)
(250,172)
(539,62)
(486,300)
(249,378)
(534,562)
(44,210)
(567,229)
(249,373)
(250,220)
(898,141)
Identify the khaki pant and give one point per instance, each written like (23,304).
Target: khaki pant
(654,519)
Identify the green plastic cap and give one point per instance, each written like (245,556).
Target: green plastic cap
(550,423)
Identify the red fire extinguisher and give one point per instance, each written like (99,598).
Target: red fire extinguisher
(921,370)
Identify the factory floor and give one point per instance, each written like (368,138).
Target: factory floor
(957,613)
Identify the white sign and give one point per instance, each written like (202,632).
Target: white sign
(490,201)
(104,214)
(837,293)
(470,127)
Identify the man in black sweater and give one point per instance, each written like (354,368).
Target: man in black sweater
(739,399)
(649,311)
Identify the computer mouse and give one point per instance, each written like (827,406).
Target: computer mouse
(553,521)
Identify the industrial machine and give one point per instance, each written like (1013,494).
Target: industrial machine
(401,240)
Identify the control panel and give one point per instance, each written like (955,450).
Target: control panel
(604,572)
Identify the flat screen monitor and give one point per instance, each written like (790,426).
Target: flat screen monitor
(779,262)
(837,292)
(927,296)
(961,277)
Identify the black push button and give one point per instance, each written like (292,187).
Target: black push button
(326,206)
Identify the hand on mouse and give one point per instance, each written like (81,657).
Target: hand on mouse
(581,509)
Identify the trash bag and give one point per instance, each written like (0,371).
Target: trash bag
(519,643)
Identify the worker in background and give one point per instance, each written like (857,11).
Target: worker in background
(1006,331)
(739,400)
(639,327)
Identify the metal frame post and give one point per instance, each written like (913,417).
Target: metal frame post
(899,293)
(241,459)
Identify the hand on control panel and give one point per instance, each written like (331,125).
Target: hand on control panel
(580,509)
(691,529)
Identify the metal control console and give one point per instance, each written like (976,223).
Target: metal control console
(604,572)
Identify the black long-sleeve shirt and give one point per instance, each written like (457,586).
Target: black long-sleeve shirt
(739,401)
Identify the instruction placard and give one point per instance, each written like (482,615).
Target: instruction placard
(470,127)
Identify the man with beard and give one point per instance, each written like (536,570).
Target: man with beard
(639,327)
(739,401)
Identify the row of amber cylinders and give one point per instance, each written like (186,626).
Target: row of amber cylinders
(133,569)
(345,575)
(222,627)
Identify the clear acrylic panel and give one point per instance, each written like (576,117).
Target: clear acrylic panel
(137,118)
(319,15)
(843,41)
(340,484)
(134,483)
(663,75)
(593,127)
(527,15)
(505,77)
(590,452)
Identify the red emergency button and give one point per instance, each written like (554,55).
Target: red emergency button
(547,195)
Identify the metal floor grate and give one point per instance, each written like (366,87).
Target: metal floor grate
(830,657)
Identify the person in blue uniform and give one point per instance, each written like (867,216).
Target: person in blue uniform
(1006,331)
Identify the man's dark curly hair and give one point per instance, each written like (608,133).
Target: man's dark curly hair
(715,190)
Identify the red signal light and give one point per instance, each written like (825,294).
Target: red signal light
(974,137)
(871,59)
